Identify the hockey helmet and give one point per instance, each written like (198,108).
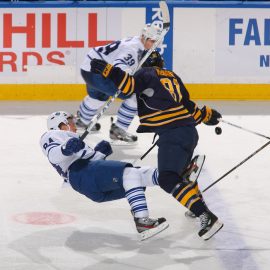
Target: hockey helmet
(56,118)
(151,31)
(154,60)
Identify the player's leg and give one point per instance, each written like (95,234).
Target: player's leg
(125,115)
(175,149)
(107,180)
(191,175)
(146,226)
(98,180)
(149,176)
(99,90)
(88,108)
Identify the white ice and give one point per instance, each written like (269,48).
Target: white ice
(103,236)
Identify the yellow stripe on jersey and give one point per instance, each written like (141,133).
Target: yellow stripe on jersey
(164,122)
(132,85)
(159,112)
(127,85)
(123,81)
(197,115)
(166,116)
(129,88)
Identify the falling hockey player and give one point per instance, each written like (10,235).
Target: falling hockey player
(98,179)
(164,108)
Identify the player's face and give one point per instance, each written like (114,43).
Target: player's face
(71,125)
(148,44)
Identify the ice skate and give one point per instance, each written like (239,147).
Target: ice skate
(121,137)
(80,124)
(148,227)
(194,168)
(210,225)
(190,215)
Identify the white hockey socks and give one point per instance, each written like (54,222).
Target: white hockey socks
(126,112)
(88,108)
(135,192)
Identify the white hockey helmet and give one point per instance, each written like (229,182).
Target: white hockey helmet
(56,118)
(151,31)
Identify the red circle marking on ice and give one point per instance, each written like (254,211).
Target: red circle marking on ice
(43,218)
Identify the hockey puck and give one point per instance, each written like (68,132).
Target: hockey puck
(218,130)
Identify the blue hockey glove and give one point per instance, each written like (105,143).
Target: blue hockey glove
(104,147)
(72,146)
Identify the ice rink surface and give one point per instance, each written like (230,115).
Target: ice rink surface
(45,226)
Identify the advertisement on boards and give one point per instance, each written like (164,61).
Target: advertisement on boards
(49,45)
(242,42)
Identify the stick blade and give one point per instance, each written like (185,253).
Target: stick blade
(165,14)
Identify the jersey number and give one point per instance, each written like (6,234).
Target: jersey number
(109,48)
(173,87)
(129,60)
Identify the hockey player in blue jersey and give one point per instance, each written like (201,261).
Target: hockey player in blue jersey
(100,180)
(165,108)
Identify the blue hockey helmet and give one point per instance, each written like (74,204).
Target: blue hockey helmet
(154,60)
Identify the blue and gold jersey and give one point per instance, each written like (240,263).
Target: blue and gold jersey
(163,100)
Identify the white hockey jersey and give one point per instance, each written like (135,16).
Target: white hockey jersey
(51,143)
(124,53)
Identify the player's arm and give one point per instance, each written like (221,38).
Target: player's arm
(58,149)
(204,115)
(123,81)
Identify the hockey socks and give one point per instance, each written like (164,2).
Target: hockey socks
(126,113)
(188,197)
(88,108)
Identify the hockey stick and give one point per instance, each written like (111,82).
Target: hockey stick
(166,26)
(238,165)
(245,129)
(145,154)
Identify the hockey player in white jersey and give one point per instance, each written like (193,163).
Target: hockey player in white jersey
(126,54)
(100,180)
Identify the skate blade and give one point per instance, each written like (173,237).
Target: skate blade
(123,143)
(194,175)
(81,130)
(152,232)
(190,215)
(215,228)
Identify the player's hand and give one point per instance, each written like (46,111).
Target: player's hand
(72,146)
(104,147)
(101,67)
(210,116)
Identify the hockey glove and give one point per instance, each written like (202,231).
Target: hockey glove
(210,116)
(72,146)
(101,67)
(104,147)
